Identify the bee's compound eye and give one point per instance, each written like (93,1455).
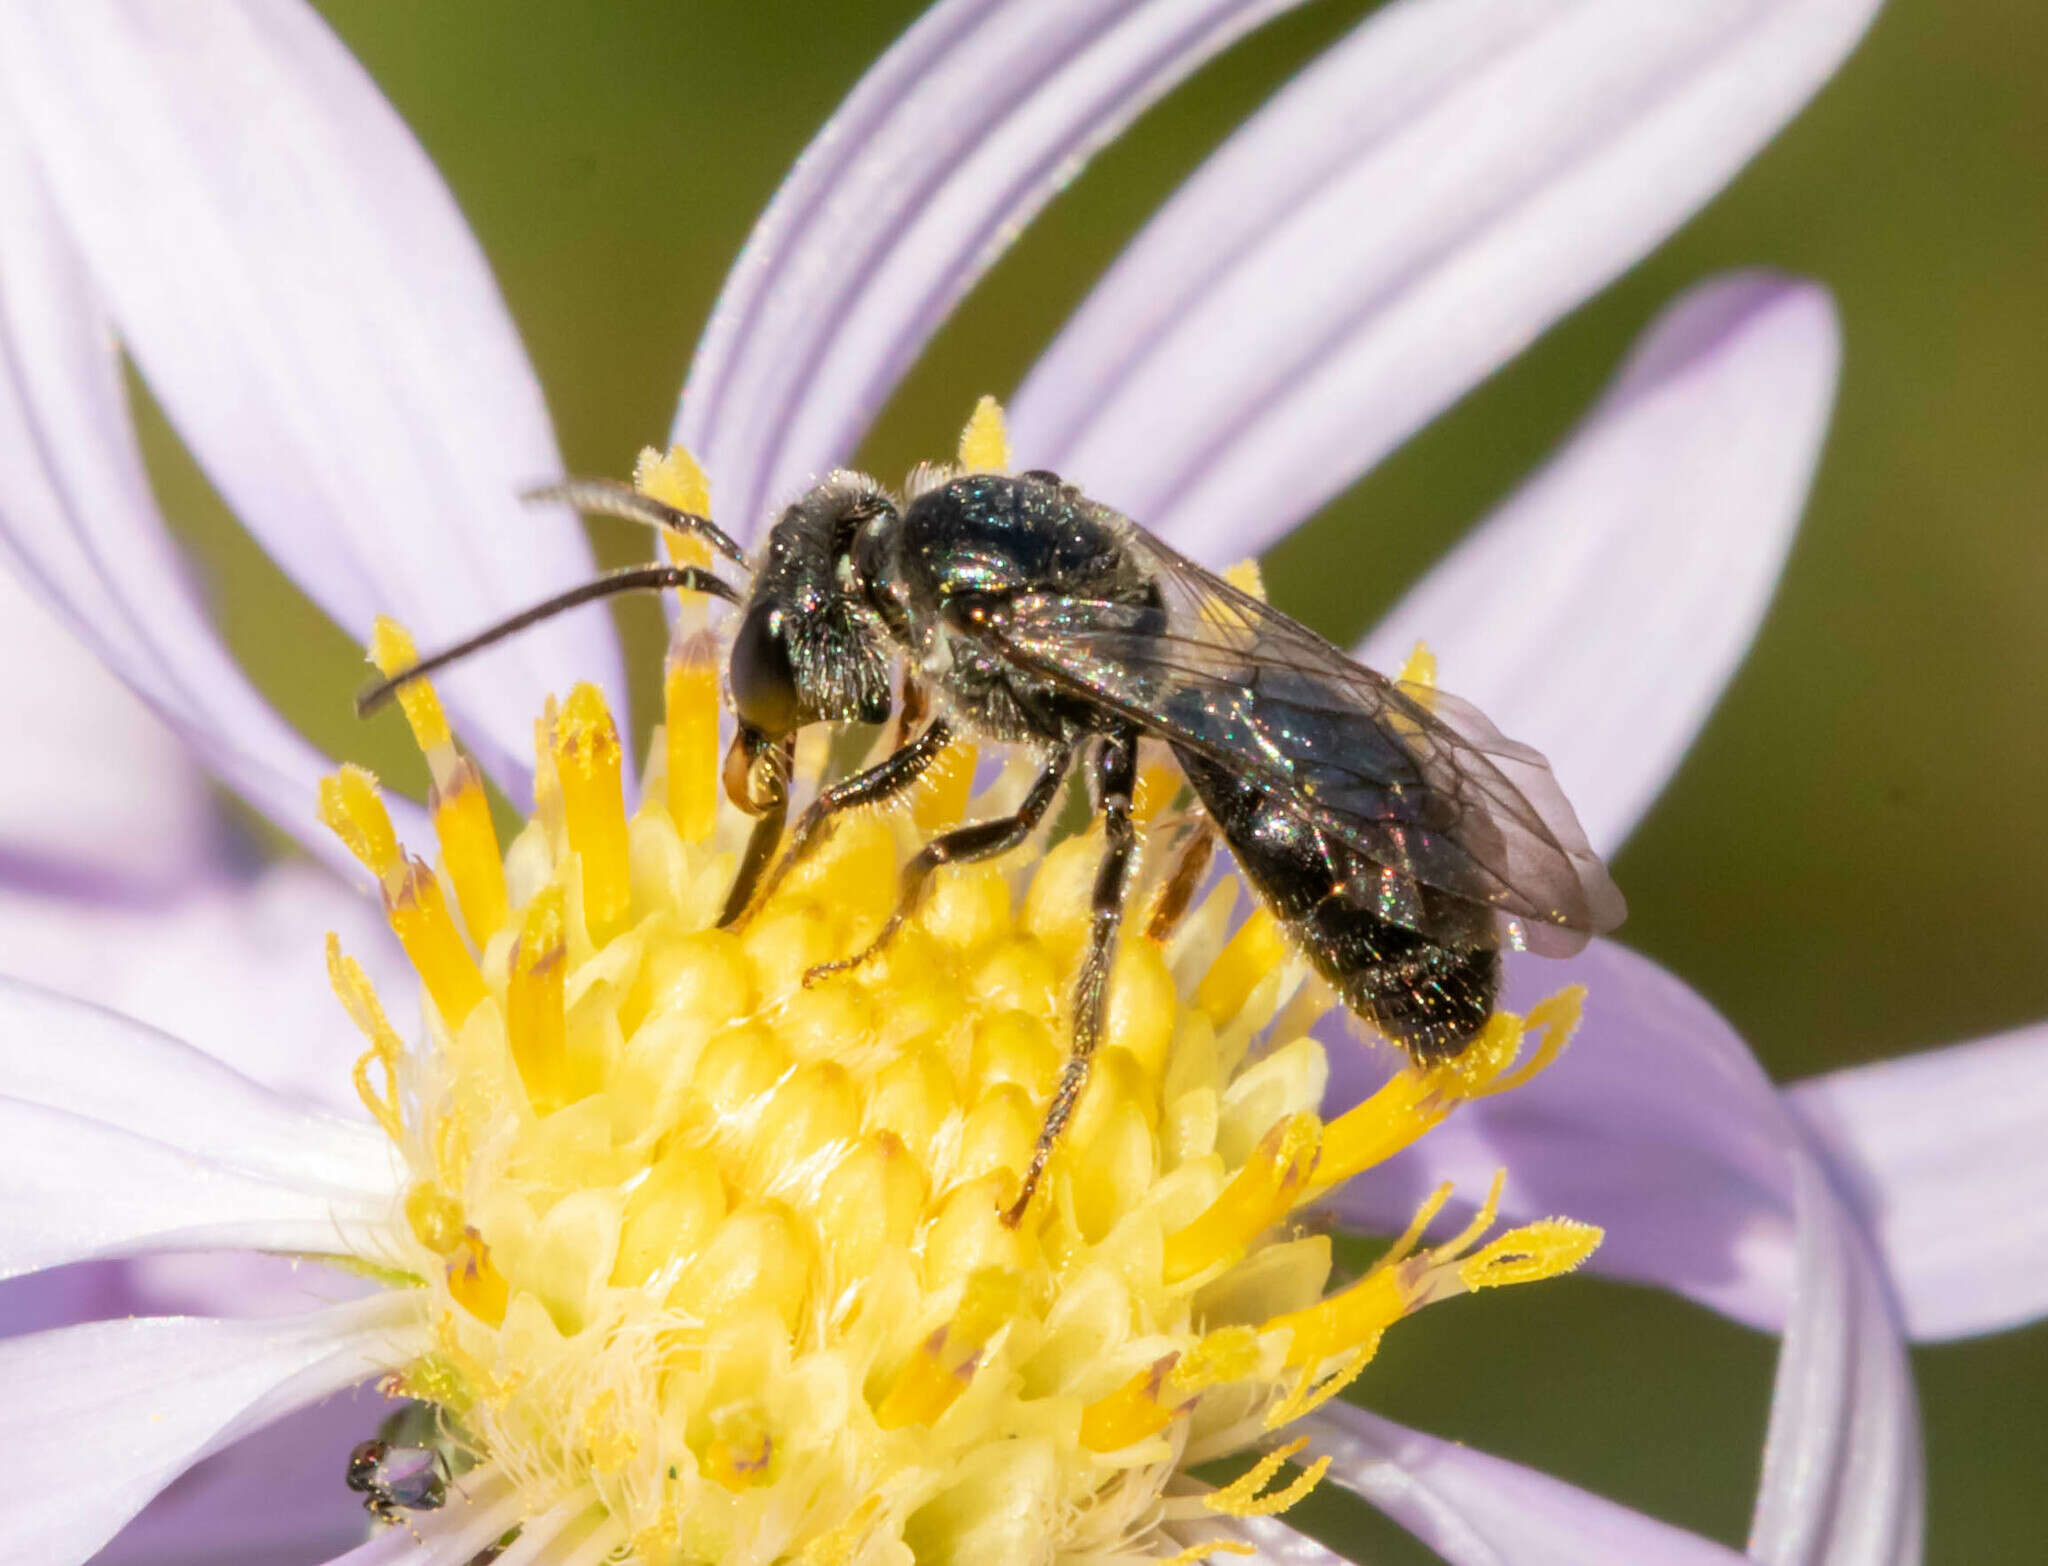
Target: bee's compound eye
(763,679)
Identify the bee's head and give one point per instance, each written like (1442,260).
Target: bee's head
(808,649)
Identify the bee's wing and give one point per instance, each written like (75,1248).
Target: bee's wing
(1413,778)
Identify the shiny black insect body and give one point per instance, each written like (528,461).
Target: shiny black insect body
(1399,838)
(393,1479)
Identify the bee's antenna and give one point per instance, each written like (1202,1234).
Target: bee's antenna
(628,579)
(609,498)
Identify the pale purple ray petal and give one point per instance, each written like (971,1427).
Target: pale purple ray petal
(274,1497)
(939,156)
(79,522)
(1478,1510)
(107,799)
(99,1418)
(1944,1156)
(1401,221)
(84,1061)
(1276,1543)
(74,1189)
(452,1536)
(237,965)
(300,291)
(1843,1482)
(1598,614)
(1657,1124)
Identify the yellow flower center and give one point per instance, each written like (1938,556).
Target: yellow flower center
(720,1257)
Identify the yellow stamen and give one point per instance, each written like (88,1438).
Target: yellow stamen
(1419,671)
(352,809)
(1241,1498)
(675,479)
(358,998)
(985,442)
(1246,577)
(944,1363)
(1309,1394)
(476,1284)
(1263,1192)
(469,849)
(393,652)
(534,1022)
(1201,1552)
(691,736)
(940,798)
(1254,951)
(1535,1251)
(1131,1413)
(419,917)
(1557,1016)
(585,745)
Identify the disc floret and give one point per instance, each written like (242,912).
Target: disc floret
(719,1259)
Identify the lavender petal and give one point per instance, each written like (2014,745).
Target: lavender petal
(148,1398)
(942,152)
(79,523)
(299,289)
(1474,1509)
(1943,1157)
(1599,613)
(1397,224)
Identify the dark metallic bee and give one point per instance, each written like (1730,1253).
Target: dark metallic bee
(1398,837)
(394,1479)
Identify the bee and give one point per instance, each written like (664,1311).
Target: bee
(394,1479)
(1399,839)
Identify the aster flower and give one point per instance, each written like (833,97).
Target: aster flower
(310,311)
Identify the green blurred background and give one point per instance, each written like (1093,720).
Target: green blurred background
(1848,862)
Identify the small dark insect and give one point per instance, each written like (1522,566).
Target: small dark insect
(396,1479)
(1400,839)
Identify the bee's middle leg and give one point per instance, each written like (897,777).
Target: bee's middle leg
(963,845)
(1116,779)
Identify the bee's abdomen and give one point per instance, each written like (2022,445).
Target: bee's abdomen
(1431,993)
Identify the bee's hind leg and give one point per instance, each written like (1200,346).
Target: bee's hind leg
(1116,779)
(963,845)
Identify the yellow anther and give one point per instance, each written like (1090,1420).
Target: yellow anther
(434,1217)
(469,848)
(985,442)
(475,1283)
(1246,577)
(1309,1394)
(611,1444)
(1535,1251)
(675,479)
(1157,785)
(1349,1319)
(940,1367)
(585,745)
(690,736)
(741,1450)
(1201,1552)
(393,652)
(1241,1498)
(940,797)
(1264,1191)
(1134,1412)
(1419,671)
(1254,951)
(419,917)
(1558,1017)
(353,810)
(358,998)
(1482,1220)
(535,1024)
(668,1218)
